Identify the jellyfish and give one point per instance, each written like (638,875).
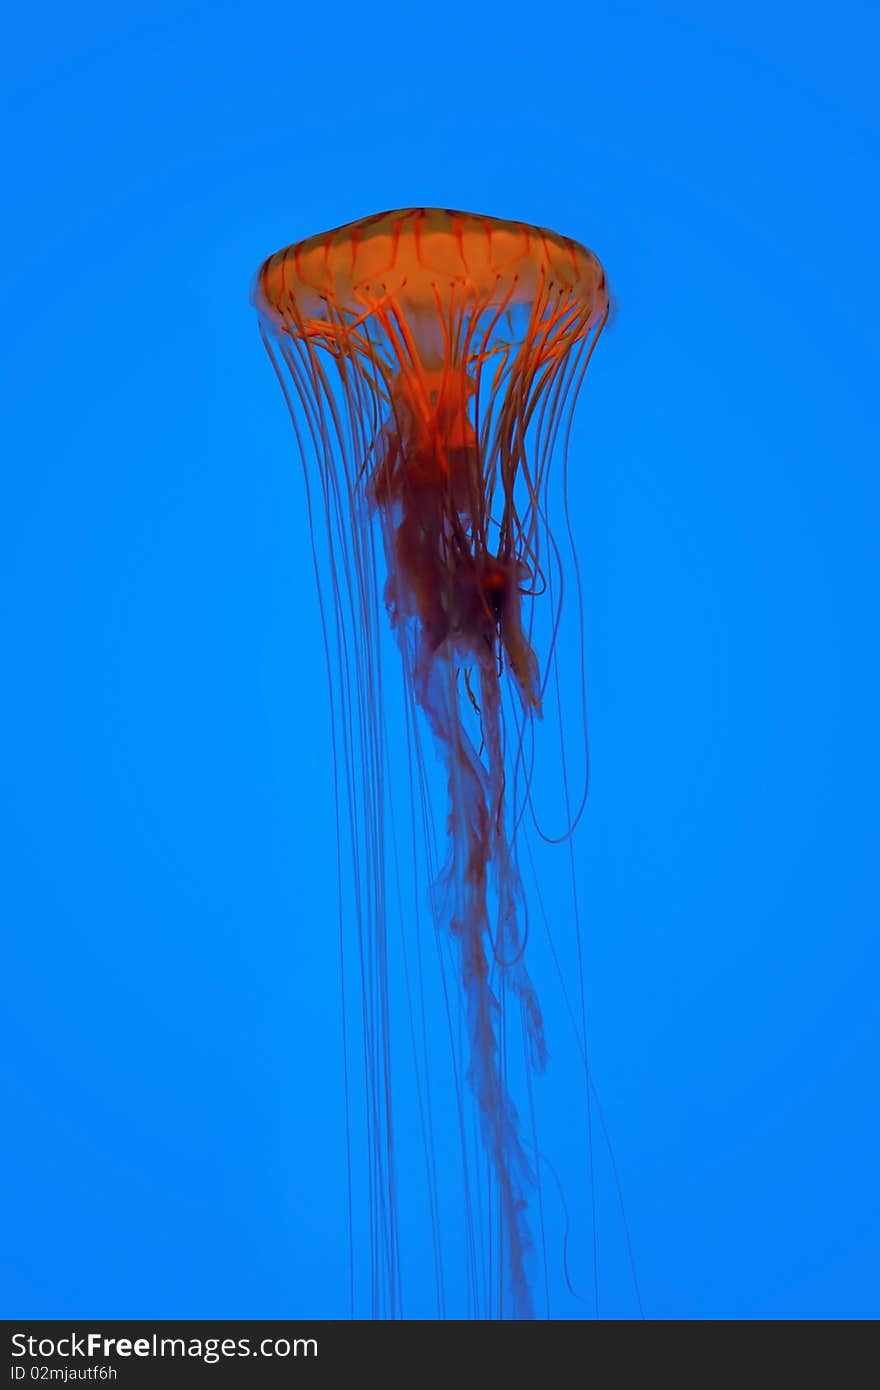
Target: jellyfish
(431,360)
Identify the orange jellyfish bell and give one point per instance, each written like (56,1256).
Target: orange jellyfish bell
(431,360)
(416,257)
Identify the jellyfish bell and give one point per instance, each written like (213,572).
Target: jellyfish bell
(410,257)
(431,360)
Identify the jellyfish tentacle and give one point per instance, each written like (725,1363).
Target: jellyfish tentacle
(479,849)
